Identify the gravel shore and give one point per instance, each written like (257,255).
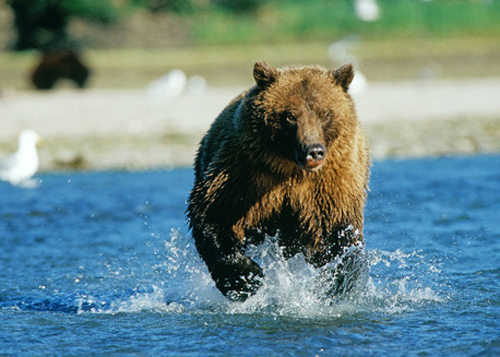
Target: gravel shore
(99,129)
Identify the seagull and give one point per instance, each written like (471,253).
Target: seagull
(169,86)
(21,166)
(342,51)
(367,10)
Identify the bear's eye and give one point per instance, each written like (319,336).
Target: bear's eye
(327,117)
(290,118)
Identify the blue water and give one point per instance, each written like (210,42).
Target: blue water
(102,264)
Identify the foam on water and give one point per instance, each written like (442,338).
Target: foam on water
(179,282)
(290,288)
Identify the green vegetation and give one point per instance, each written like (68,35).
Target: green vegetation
(269,21)
(282,20)
(42,24)
(456,38)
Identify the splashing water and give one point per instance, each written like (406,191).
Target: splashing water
(294,288)
(291,287)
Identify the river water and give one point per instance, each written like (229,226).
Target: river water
(102,264)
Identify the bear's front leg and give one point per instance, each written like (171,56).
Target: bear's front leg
(342,260)
(236,276)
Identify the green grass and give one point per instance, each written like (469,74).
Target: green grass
(285,20)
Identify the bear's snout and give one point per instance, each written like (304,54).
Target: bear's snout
(311,157)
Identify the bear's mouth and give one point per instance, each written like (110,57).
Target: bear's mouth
(312,165)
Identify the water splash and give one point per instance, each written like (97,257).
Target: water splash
(390,282)
(179,282)
(401,281)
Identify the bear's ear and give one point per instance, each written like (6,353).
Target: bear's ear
(264,74)
(344,76)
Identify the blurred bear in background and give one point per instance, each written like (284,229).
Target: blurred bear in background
(57,65)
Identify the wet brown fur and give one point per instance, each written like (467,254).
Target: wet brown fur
(250,180)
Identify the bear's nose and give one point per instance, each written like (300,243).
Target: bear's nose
(314,156)
(315,152)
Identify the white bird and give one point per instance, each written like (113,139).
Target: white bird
(342,52)
(169,86)
(367,10)
(21,166)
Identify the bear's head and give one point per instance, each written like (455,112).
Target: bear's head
(303,111)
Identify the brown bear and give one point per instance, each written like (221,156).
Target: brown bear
(286,158)
(55,65)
